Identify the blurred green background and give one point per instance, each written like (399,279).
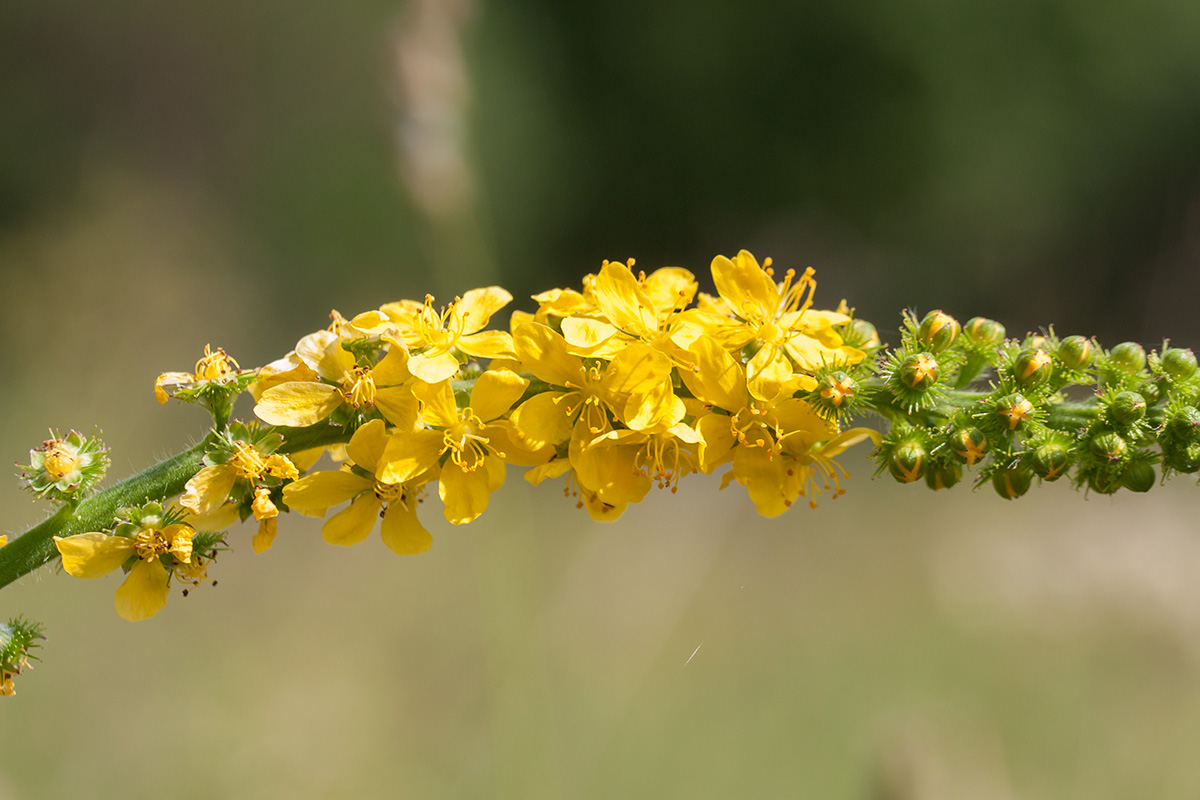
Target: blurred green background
(179,174)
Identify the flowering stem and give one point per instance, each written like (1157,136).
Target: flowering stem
(35,547)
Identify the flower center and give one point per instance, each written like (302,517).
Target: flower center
(214,365)
(463,440)
(247,461)
(60,460)
(358,387)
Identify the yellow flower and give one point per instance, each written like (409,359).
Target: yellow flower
(211,367)
(372,497)
(385,385)
(791,336)
(476,443)
(621,465)
(635,387)
(436,338)
(144,591)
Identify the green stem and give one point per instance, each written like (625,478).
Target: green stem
(35,547)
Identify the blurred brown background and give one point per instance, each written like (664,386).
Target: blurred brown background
(179,174)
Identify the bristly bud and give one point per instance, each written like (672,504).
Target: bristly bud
(1129,356)
(1184,425)
(1109,447)
(18,638)
(1050,460)
(66,469)
(1033,367)
(969,444)
(1011,482)
(937,331)
(907,461)
(918,371)
(1014,411)
(943,476)
(1076,351)
(1179,363)
(860,333)
(984,332)
(837,389)
(1139,477)
(1182,457)
(1126,408)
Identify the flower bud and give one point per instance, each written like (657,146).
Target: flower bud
(983,331)
(1104,482)
(860,333)
(969,444)
(837,387)
(907,461)
(1033,367)
(1014,410)
(1076,351)
(1108,447)
(1184,425)
(918,371)
(1011,482)
(938,331)
(1184,458)
(1179,363)
(66,468)
(1050,460)
(943,476)
(1139,477)
(1127,408)
(1129,356)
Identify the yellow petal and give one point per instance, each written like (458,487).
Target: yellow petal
(763,478)
(716,434)
(366,445)
(464,494)
(586,336)
(622,300)
(392,369)
(438,407)
(170,379)
(554,469)
(743,284)
(768,373)
(402,532)
(208,489)
(398,405)
(354,523)
(144,592)
(315,494)
(542,420)
(494,393)
(407,455)
(477,306)
(267,529)
(434,367)
(93,555)
(487,344)
(297,404)
(545,354)
(670,288)
(718,379)
(637,369)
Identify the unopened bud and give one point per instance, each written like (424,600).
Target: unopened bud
(969,444)
(1139,477)
(1076,351)
(918,371)
(1127,408)
(1109,447)
(1050,460)
(837,388)
(937,331)
(1015,410)
(860,333)
(1033,367)
(943,476)
(1179,363)
(907,462)
(1130,356)
(1185,458)
(1184,425)
(1011,482)
(983,331)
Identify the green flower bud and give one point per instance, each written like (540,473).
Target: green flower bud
(943,476)
(860,333)
(918,371)
(1127,408)
(983,331)
(1184,425)
(1050,460)
(1130,356)
(837,388)
(1076,351)
(1179,363)
(1012,482)
(969,444)
(1108,447)
(1033,367)
(938,331)
(66,468)
(907,462)
(1104,482)
(1139,477)
(1014,410)
(1185,458)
